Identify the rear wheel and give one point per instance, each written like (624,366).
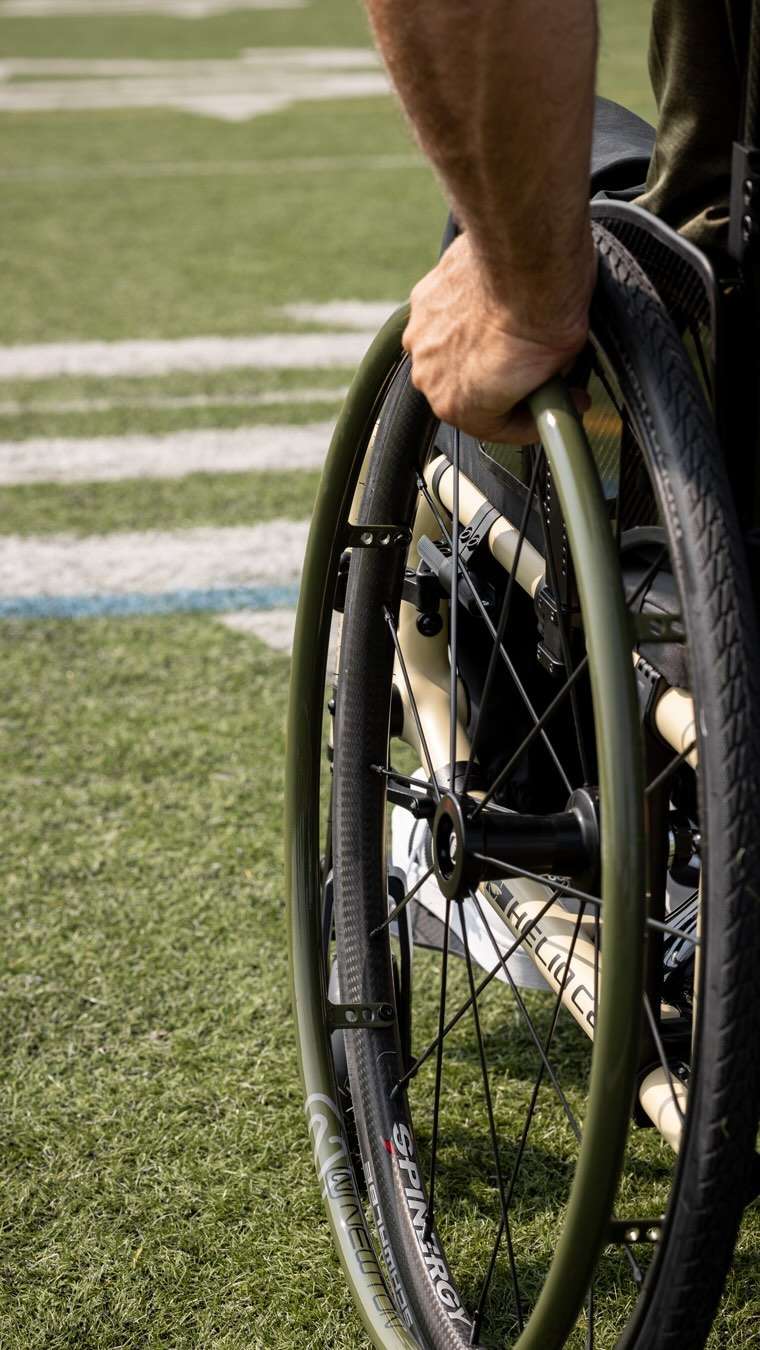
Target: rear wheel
(551,828)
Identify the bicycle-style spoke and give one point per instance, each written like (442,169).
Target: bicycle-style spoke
(590,1318)
(672,931)
(657,1038)
(503,617)
(491,1120)
(670,769)
(490,625)
(571,892)
(430,1049)
(454,622)
(430,1215)
(530,1024)
(394,776)
(478,1317)
(559,697)
(564,641)
(648,577)
(402,904)
(412,700)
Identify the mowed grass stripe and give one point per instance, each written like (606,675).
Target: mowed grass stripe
(168,504)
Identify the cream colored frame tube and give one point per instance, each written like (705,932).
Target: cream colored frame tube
(551,937)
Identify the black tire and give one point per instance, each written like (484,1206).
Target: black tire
(635,340)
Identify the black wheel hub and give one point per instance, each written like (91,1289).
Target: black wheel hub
(470,846)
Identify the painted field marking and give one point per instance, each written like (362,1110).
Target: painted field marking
(173,455)
(320,164)
(259,82)
(361,315)
(275,397)
(178,9)
(98,606)
(152,562)
(275,627)
(143,358)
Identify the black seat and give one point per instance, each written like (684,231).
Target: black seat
(621,151)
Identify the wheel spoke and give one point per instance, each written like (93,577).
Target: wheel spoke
(454,622)
(430,1215)
(503,617)
(531,736)
(570,891)
(478,1318)
(673,931)
(657,1038)
(412,700)
(648,577)
(491,1120)
(566,654)
(590,1319)
(670,769)
(530,1024)
(414,1069)
(490,625)
(393,775)
(402,904)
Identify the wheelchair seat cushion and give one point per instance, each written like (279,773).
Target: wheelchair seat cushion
(621,151)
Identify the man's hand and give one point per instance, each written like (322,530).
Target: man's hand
(475,357)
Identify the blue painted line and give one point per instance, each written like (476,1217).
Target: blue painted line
(169,602)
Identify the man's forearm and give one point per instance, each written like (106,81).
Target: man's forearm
(501,96)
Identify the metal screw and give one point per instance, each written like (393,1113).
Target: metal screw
(429,625)
(632,1235)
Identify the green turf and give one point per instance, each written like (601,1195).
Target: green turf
(323,23)
(165,504)
(157,1187)
(110,266)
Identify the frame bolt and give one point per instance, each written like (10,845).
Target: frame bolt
(632,1234)
(429,625)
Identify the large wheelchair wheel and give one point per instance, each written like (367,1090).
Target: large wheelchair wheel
(523,970)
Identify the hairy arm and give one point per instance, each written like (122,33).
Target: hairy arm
(500,93)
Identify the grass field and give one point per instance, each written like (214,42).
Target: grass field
(158,1189)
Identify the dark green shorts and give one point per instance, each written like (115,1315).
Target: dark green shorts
(696,68)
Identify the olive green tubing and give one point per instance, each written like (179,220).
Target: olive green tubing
(616,718)
(617,732)
(302,812)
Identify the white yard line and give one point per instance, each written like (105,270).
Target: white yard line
(143,358)
(275,397)
(152,562)
(259,82)
(259,58)
(206,450)
(362,315)
(45,173)
(275,627)
(178,9)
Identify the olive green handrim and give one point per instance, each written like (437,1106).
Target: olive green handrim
(614,1060)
